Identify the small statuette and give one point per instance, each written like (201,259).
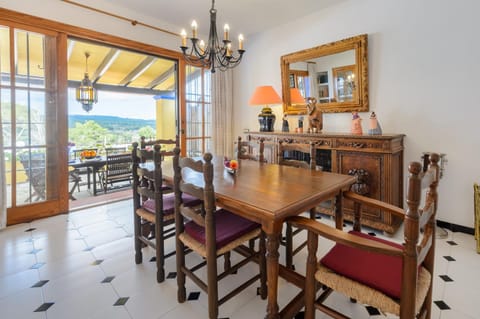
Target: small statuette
(285,127)
(356,124)
(374,128)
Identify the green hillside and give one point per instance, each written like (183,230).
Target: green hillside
(111,123)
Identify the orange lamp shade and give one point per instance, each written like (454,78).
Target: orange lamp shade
(265,95)
(296,97)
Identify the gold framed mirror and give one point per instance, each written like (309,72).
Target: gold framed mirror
(335,74)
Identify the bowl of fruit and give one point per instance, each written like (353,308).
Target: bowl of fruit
(88,154)
(230,165)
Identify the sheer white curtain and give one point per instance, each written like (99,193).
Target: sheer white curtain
(312,76)
(222,113)
(3,182)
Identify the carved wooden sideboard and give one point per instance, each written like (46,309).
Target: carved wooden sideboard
(376,160)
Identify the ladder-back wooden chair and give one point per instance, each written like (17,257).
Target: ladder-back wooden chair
(211,233)
(301,155)
(250,150)
(153,206)
(393,277)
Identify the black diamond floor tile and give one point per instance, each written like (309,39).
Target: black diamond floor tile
(37,266)
(44,307)
(153,259)
(193,296)
(449,258)
(446,278)
(171,275)
(300,315)
(97,262)
(372,311)
(30,229)
(108,279)
(39,284)
(372,234)
(452,243)
(121,301)
(441,304)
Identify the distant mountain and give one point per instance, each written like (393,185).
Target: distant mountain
(112,123)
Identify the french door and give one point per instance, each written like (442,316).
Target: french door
(32,120)
(198,111)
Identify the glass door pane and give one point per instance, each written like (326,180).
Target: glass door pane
(28,91)
(198,111)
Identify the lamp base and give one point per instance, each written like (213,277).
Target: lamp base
(266,119)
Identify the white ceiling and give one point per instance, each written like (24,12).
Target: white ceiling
(243,16)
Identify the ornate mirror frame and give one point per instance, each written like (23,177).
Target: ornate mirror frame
(360,101)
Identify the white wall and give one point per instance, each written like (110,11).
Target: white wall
(60,11)
(424,80)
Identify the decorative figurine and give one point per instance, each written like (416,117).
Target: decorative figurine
(356,124)
(285,127)
(315,116)
(375,128)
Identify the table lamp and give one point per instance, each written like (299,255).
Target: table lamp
(265,95)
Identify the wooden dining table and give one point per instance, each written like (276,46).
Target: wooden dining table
(268,194)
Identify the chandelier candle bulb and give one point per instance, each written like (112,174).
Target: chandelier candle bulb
(201,45)
(229,50)
(194,29)
(183,34)
(226,29)
(240,42)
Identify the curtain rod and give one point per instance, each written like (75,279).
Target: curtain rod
(133,22)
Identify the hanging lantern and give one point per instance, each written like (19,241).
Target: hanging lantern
(86,94)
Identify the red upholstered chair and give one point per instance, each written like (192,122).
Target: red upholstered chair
(153,206)
(211,233)
(393,277)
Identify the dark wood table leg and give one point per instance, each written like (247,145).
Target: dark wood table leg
(338,211)
(94,177)
(273,242)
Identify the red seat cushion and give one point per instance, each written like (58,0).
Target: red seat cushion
(228,228)
(169,203)
(378,271)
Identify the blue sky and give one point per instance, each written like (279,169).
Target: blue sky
(137,106)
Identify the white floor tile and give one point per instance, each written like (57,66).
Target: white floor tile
(57,245)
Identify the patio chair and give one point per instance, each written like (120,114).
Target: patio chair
(395,278)
(34,165)
(118,168)
(211,233)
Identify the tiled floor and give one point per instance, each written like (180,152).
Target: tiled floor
(82,265)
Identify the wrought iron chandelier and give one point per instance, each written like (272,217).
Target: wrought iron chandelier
(86,94)
(215,54)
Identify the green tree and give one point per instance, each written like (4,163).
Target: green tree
(89,134)
(147,131)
